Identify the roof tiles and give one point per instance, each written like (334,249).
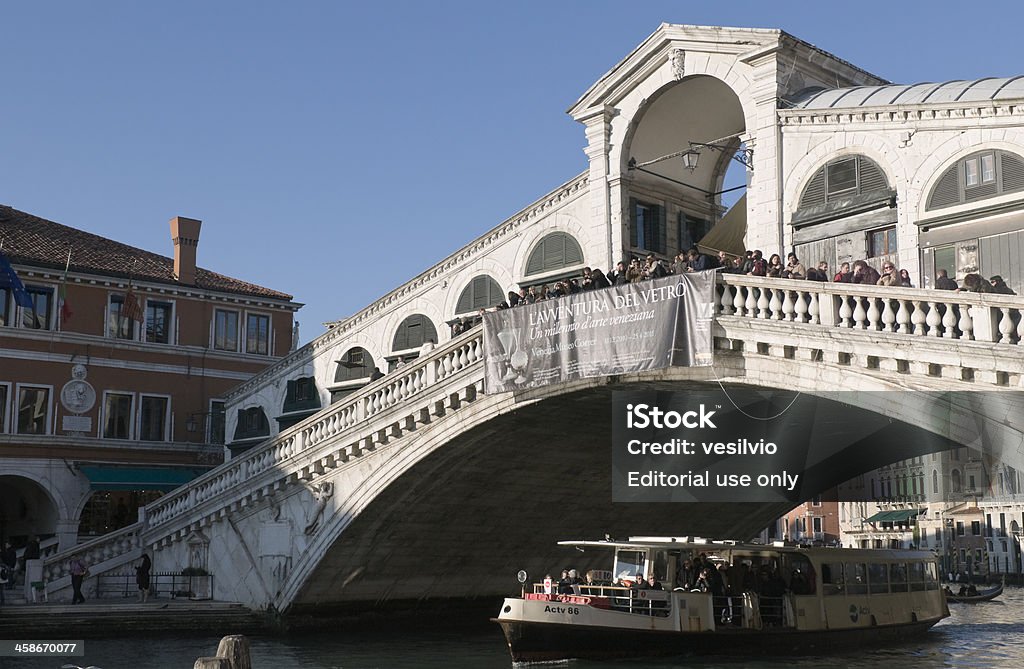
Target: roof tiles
(30,240)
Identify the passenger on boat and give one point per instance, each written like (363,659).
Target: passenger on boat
(962,592)
(653,583)
(686,576)
(947,591)
(972,591)
(565,583)
(639,583)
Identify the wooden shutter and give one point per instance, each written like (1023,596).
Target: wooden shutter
(814,191)
(947,189)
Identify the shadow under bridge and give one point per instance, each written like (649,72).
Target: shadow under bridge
(497,496)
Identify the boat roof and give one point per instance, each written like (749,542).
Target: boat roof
(711,545)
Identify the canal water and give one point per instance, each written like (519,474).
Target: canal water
(975,636)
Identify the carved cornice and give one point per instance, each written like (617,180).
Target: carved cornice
(902,113)
(452,263)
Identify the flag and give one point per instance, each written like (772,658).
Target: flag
(62,294)
(132,310)
(9,279)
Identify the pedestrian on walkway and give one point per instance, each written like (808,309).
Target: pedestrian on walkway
(9,558)
(142,577)
(78,573)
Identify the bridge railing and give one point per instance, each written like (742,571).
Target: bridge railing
(411,380)
(122,543)
(908,311)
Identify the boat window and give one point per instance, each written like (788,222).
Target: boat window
(660,565)
(832,578)
(628,564)
(856,578)
(917,576)
(898,577)
(878,578)
(801,574)
(931,576)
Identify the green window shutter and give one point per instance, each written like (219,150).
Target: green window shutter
(814,192)
(555,251)
(634,238)
(1013,172)
(661,237)
(481,293)
(871,176)
(947,189)
(413,332)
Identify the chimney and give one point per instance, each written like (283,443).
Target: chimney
(185,235)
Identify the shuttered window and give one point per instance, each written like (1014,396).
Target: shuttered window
(843,177)
(555,251)
(647,229)
(356,364)
(481,293)
(979,176)
(413,333)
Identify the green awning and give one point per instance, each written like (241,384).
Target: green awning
(893,516)
(139,478)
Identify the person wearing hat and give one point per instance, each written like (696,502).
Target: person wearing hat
(999,286)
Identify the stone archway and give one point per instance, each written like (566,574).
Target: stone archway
(26,508)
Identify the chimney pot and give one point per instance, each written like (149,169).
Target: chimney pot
(185,235)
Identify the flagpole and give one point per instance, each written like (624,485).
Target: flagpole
(64,292)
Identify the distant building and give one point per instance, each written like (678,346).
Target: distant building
(815,522)
(117,396)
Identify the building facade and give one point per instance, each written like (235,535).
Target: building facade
(113,373)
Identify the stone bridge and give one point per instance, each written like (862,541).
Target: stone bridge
(420,486)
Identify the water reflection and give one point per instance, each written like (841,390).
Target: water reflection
(976,635)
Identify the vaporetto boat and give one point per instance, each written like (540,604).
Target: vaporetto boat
(715,597)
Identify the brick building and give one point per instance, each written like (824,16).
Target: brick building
(116,397)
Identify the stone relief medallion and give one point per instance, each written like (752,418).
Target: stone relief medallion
(678,63)
(78,396)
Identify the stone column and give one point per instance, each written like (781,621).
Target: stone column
(605,201)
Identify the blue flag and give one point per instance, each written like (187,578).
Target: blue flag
(9,279)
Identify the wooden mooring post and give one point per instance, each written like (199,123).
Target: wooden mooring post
(232,653)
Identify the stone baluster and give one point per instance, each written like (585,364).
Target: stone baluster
(845,311)
(888,316)
(918,318)
(814,308)
(740,301)
(763,303)
(873,314)
(949,321)
(788,304)
(903,317)
(1006,326)
(725,300)
(775,304)
(860,315)
(933,319)
(801,306)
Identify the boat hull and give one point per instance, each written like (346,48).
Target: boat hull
(542,642)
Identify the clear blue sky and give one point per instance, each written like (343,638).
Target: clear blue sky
(336,149)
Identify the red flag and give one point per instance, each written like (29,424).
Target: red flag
(132,310)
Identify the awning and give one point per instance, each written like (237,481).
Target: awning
(728,234)
(139,478)
(894,516)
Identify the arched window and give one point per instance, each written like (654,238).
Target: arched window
(356,364)
(840,180)
(413,333)
(935,481)
(954,480)
(555,251)
(481,293)
(252,423)
(979,176)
